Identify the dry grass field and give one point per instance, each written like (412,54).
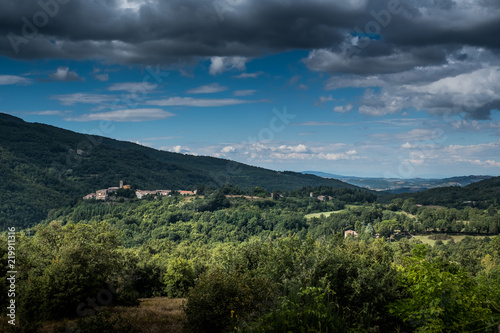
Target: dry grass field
(153,315)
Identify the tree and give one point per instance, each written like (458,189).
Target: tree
(409,206)
(437,300)
(215,202)
(260,192)
(220,299)
(179,277)
(66,270)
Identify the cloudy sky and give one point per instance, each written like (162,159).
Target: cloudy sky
(396,88)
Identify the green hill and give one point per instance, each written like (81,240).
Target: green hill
(43,167)
(480,194)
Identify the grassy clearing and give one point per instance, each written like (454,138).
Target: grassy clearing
(405,213)
(153,315)
(353,206)
(326,214)
(159,314)
(191,198)
(425,239)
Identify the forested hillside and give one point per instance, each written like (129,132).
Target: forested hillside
(215,217)
(262,264)
(481,194)
(43,167)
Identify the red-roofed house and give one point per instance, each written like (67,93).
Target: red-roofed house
(187,192)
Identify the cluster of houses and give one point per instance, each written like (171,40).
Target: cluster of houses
(321,197)
(104,193)
(141,193)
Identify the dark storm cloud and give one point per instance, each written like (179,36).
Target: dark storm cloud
(168,31)
(177,30)
(368,43)
(483,112)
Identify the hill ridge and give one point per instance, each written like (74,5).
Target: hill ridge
(43,167)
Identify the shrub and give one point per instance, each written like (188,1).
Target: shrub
(308,310)
(220,300)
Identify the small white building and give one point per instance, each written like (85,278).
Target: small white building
(102,195)
(163,192)
(142,193)
(350,233)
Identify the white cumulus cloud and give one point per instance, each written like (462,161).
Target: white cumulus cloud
(220,65)
(64,74)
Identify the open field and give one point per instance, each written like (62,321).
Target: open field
(457,238)
(326,214)
(158,314)
(153,315)
(405,213)
(353,206)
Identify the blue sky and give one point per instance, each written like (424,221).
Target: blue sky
(397,108)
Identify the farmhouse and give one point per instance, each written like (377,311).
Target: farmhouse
(350,233)
(101,194)
(188,192)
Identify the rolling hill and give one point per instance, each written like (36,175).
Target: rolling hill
(480,194)
(398,185)
(43,167)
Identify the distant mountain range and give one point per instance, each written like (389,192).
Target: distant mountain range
(43,167)
(396,185)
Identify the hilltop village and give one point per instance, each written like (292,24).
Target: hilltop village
(104,193)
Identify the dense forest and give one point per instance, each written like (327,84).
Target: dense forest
(264,265)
